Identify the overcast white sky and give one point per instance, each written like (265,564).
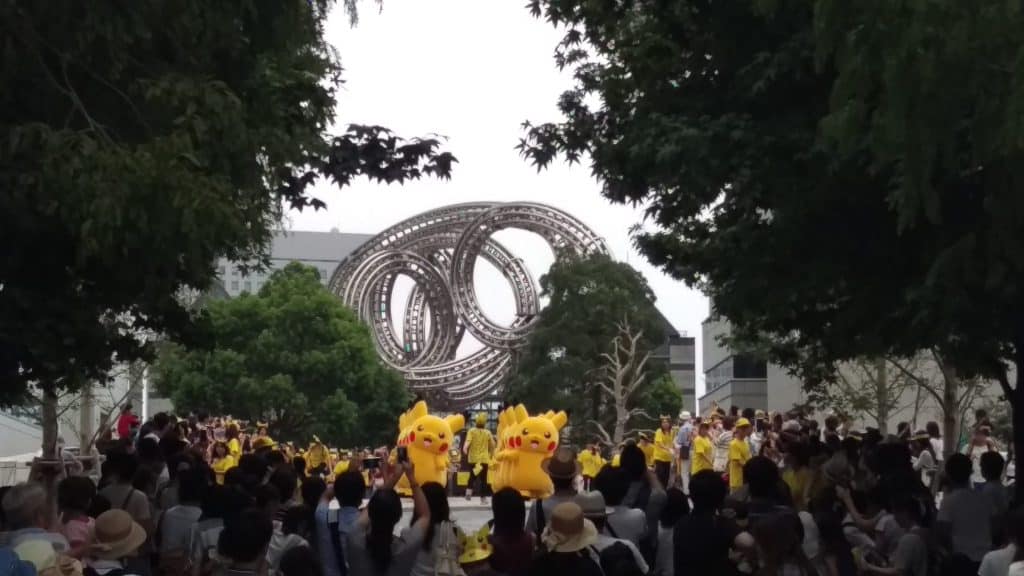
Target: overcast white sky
(472,70)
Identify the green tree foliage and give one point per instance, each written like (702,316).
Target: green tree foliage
(293,355)
(563,360)
(142,141)
(843,178)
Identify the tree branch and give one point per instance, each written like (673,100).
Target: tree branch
(607,438)
(920,382)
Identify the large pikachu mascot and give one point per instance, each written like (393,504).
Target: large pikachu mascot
(427,439)
(524,443)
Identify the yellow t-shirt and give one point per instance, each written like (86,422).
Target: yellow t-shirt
(703,455)
(234,448)
(340,468)
(739,453)
(648,451)
(798,482)
(479,443)
(221,466)
(591,463)
(663,445)
(615,461)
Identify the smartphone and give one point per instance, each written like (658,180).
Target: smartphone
(403,454)
(371,463)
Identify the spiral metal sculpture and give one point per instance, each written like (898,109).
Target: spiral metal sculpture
(438,250)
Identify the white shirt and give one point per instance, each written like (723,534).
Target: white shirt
(281,543)
(997,562)
(627,524)
(1016,569)
(937,448)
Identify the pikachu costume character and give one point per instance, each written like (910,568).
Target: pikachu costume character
(528,442)
(317,458)
(427,439)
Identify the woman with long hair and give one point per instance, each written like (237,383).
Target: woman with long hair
(373,549)
(439,553)
(221,460)
(513,544)
(923,457)
(779,547)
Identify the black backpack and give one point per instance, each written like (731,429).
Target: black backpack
(618,560)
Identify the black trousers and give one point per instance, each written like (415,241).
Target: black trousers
(478,482)
(663,470)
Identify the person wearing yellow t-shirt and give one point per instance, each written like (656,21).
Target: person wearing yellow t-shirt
(703,450)
(221,461)
(644,443)
(664,450)
(616,455)
(591,463)
(234,444)
(739,453)
(479,447)
(342,466)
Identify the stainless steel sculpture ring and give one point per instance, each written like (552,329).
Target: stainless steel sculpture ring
(438,250)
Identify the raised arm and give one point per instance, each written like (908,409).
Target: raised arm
(419,501)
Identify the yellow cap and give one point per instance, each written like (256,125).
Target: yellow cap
(481,418)
(742,422)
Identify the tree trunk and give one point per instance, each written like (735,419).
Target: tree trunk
(1016,399)
(882,396)
(86,419)
(950,412)
(917,409)
(621,418)
(49,414)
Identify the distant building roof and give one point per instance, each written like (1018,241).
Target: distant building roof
(670,330)
(315,246)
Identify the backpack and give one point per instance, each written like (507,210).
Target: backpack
(446,551)
(648,544)
(617,560)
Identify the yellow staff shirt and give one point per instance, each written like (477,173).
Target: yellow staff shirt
(591,463)
(341,468)
(648,451)
(703,455)
(221,466)
(739,453)
(663,444)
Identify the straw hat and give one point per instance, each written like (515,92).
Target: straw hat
(115,535)
(685,415)
(568,530)
(562,464)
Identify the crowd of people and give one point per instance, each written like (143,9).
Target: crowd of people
(732,492)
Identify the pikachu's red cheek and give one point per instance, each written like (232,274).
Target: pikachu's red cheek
(551,447)
(412,436)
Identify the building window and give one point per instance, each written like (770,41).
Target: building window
(247,286)
(749,367)
(220,271)
(234,285)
